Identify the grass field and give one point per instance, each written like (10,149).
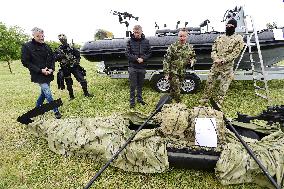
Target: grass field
(27,163)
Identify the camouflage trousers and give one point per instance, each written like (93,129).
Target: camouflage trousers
(175,85)
(215,90)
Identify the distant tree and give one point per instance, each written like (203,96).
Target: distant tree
(53,44)
(11,40)
(110,34)
(102,34)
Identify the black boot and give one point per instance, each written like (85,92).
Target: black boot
(71,94)
(85,90)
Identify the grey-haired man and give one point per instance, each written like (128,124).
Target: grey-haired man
(38,58)
(137,51)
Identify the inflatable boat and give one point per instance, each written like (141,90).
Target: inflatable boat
(112,51)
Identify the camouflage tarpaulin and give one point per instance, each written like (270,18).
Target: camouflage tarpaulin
(100,138)
(236,166)
(146,153)
(178,125)
(173,120)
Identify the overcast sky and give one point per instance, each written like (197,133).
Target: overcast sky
(80,19)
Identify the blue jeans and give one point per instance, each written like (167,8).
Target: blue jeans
(45,94)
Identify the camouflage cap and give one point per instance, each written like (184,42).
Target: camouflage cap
(62,36)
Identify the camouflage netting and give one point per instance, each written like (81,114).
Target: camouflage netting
(173,120)
(100,138)
(236,166)
(178,125)
(146,153)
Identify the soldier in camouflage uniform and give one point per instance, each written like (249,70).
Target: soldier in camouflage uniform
(178,56)
(69,59)
(225,50)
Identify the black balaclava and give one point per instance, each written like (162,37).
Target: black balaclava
(63,41)
(231,30)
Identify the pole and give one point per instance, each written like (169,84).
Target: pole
(251,153)
(158,108)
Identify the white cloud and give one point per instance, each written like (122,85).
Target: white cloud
(80,19)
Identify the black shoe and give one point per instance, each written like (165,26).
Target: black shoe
(89,95)
(132,105)
(58,115)
(142,102)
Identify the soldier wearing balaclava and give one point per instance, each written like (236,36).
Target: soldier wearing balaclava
(69,58)
(230,27)
(225,50)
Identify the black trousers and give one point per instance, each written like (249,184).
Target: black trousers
(78,74)
(136,80)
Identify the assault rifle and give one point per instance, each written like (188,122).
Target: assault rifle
(273,114)
(68,57)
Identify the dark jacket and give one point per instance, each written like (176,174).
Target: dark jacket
(138,48)
(37,56)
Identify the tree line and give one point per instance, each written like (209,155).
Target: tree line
(12,38)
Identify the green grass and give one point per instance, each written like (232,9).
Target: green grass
(27,163)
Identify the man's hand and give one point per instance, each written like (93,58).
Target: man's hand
(167,77)
(50,71)
(46,71)
(140,60)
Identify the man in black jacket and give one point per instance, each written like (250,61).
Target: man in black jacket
(38,58)
(137,51)
(69,58)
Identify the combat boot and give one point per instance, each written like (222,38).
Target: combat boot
(85,90)
(71,94)
(86,93)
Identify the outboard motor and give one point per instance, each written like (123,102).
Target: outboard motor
(239,15)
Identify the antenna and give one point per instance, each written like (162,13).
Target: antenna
(178,22)
(157,26)
(185,24)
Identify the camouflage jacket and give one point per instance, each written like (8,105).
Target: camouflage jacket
(227,48)
(177,57)
(67,56)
